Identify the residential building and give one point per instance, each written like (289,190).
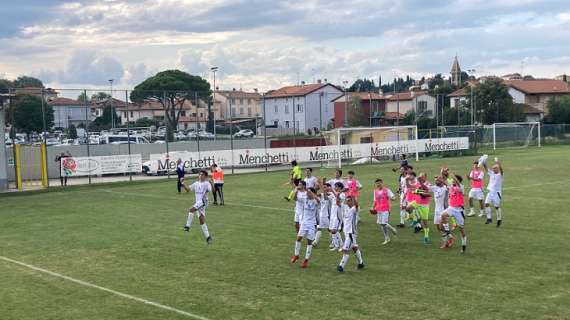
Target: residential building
(536,93)
(304,107)
(47,93)
(241,104)
(190,116)
(563,77)
(418,101)
(373,106)
(456,73)
(67,112)
(458,97)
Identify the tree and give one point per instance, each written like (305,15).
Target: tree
(145,122)
(83,97)
(27,116)
(72,131)
(559,110)
(171,88)
(100,96)
(363,85)
(5,85)
(356,116)
(104,122)
(26,82)
(493,103)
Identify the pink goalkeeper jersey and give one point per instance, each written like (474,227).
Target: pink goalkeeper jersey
(426,199)
(410,192)
(476,179)
(352,186)
(456,196)
(382,200)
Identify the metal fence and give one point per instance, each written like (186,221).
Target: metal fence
(91,125)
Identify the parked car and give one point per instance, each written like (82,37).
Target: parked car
(52,142)
(205,135)
(245,133)
(122,139)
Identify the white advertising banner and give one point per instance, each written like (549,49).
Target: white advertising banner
(84,166)
(274,156)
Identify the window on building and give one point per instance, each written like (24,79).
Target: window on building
(299,108)
(276,109)
(233,112)
(194,114)
(132,114)
(201,115)
(233,101)
(422,107)
(241,111)
(183,113)
(276,123)
(240,101)
(286,108)
(286,124)
(249,112)
(124,114)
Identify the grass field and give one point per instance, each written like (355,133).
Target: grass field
(129,238)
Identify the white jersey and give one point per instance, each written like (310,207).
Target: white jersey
(349,219)
(495,182)
(439,196)
(309,217)
(300,202)
(201,190)
(326,201)
(311,182)
(403,187)
(332,182)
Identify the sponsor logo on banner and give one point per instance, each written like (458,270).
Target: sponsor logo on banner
(276,156)
(83,166)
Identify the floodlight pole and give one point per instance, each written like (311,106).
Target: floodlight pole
(214,70)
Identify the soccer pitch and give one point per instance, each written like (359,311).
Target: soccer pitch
(119,252)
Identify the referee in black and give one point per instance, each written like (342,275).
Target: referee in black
(180,173)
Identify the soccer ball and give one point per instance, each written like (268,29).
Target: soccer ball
(483,159)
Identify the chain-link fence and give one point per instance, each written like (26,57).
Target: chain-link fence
(95,136)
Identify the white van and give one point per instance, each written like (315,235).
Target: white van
(122,139)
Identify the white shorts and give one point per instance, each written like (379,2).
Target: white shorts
(493,198)
(437,217)
(349,241)
(324,220)
(298,215)
(457,213)
(307,231)
(382,217)
(201,207)
(476,193)
(335,222)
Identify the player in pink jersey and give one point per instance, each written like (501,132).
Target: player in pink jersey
(455,209)
(476,177)
(352,185)
(381,208)
(412,185)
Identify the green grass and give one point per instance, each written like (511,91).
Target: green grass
(129,238)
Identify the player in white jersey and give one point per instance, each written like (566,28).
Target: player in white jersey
(402,192)
(440,191)
(335,224)
(308,226)
(495,188)
(337,178)
(300,198)
(350,229)
(326,200)
(201,189)
(310,180)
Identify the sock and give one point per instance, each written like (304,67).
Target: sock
(308,253)
(291,194)
(205,231)
(344,260)
(385,232)
(222,194)
(488,211)
(318,236)
(426,232)
(402,216)
(297,247)
(339,239)
(358,255)
(499,214)
(189,220)
(463,241)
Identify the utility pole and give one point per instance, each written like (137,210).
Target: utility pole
(214,70)
(112,109)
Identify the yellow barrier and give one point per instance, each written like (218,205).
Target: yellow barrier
(18,165)
(44,169)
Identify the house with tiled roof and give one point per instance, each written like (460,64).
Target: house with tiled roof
(67,112)
(373,106)
(303,107)
(191,117)
(237,104)
(537,92)
(418,101)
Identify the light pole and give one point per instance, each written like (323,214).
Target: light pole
(345,84)
(214,70)
(112,110)
(472,101)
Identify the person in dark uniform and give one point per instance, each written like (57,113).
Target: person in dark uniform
(180,173)
(59,159)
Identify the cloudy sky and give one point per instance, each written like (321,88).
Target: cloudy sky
(267,44)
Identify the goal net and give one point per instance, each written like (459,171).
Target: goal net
(362,145)
(511,135)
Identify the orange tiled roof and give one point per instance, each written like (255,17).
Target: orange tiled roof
(295,91)
(539,86)
(406,95)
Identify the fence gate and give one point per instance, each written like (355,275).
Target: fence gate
(30,163)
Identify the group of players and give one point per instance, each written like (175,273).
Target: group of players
(332,206)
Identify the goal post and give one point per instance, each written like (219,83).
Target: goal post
(514,134)
(357,143)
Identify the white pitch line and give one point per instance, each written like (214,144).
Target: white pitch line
(90,285)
